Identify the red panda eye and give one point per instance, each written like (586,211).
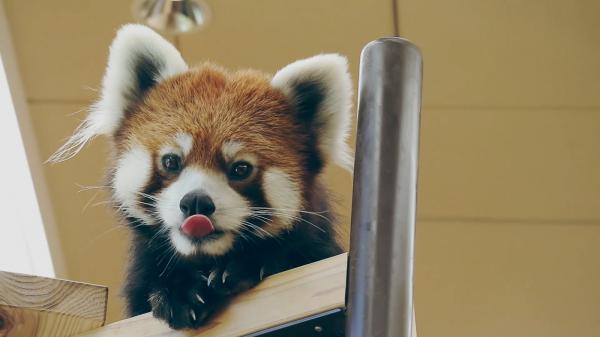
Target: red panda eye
(171,162)
(240,170)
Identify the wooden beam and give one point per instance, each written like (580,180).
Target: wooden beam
(32,306)
(279,299)
(282,298)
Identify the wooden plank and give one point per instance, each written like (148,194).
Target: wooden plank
(36,306)
(18,322)
(282,298)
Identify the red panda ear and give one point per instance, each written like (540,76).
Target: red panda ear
(321,91)
(139,58)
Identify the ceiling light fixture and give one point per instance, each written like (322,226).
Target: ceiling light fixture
(172,16)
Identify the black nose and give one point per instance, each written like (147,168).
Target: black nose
(196,202)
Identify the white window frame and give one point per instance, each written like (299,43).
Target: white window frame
(29,242)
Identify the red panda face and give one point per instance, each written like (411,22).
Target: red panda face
(231,138)
(233,153)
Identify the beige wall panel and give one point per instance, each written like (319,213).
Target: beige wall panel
(62,45)
(507,53)
(499,280)
(62,56)
(270,34)
(510,164)
(94,245)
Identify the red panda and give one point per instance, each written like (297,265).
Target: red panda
(216,173)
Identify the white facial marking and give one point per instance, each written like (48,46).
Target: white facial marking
(230,149)
(133,171)
(168,149)
(181,146)
(231,209)
(181,243)
(234,151)
(219,246)
(283,194)
(185,142)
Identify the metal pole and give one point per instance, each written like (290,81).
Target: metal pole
(380,265)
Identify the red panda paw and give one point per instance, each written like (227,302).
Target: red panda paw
(236,277)
(182,308)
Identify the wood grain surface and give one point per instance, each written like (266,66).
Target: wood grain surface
(32,306)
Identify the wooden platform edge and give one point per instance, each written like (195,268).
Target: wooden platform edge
(53,295)
(39,306)
(281,298)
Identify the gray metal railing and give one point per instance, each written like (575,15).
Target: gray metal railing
(380,266)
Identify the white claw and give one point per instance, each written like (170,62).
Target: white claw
(193,315)
(200,299)
(224,276)
(262,273)
(211,277)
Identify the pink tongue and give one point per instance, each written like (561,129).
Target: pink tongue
(197,226)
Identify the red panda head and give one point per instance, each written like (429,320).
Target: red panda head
(241,148)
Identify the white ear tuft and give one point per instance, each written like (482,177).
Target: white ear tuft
(139,58)
(321,89)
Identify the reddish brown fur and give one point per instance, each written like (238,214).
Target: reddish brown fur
(216,106)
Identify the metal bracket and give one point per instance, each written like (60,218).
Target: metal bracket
(326,324)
